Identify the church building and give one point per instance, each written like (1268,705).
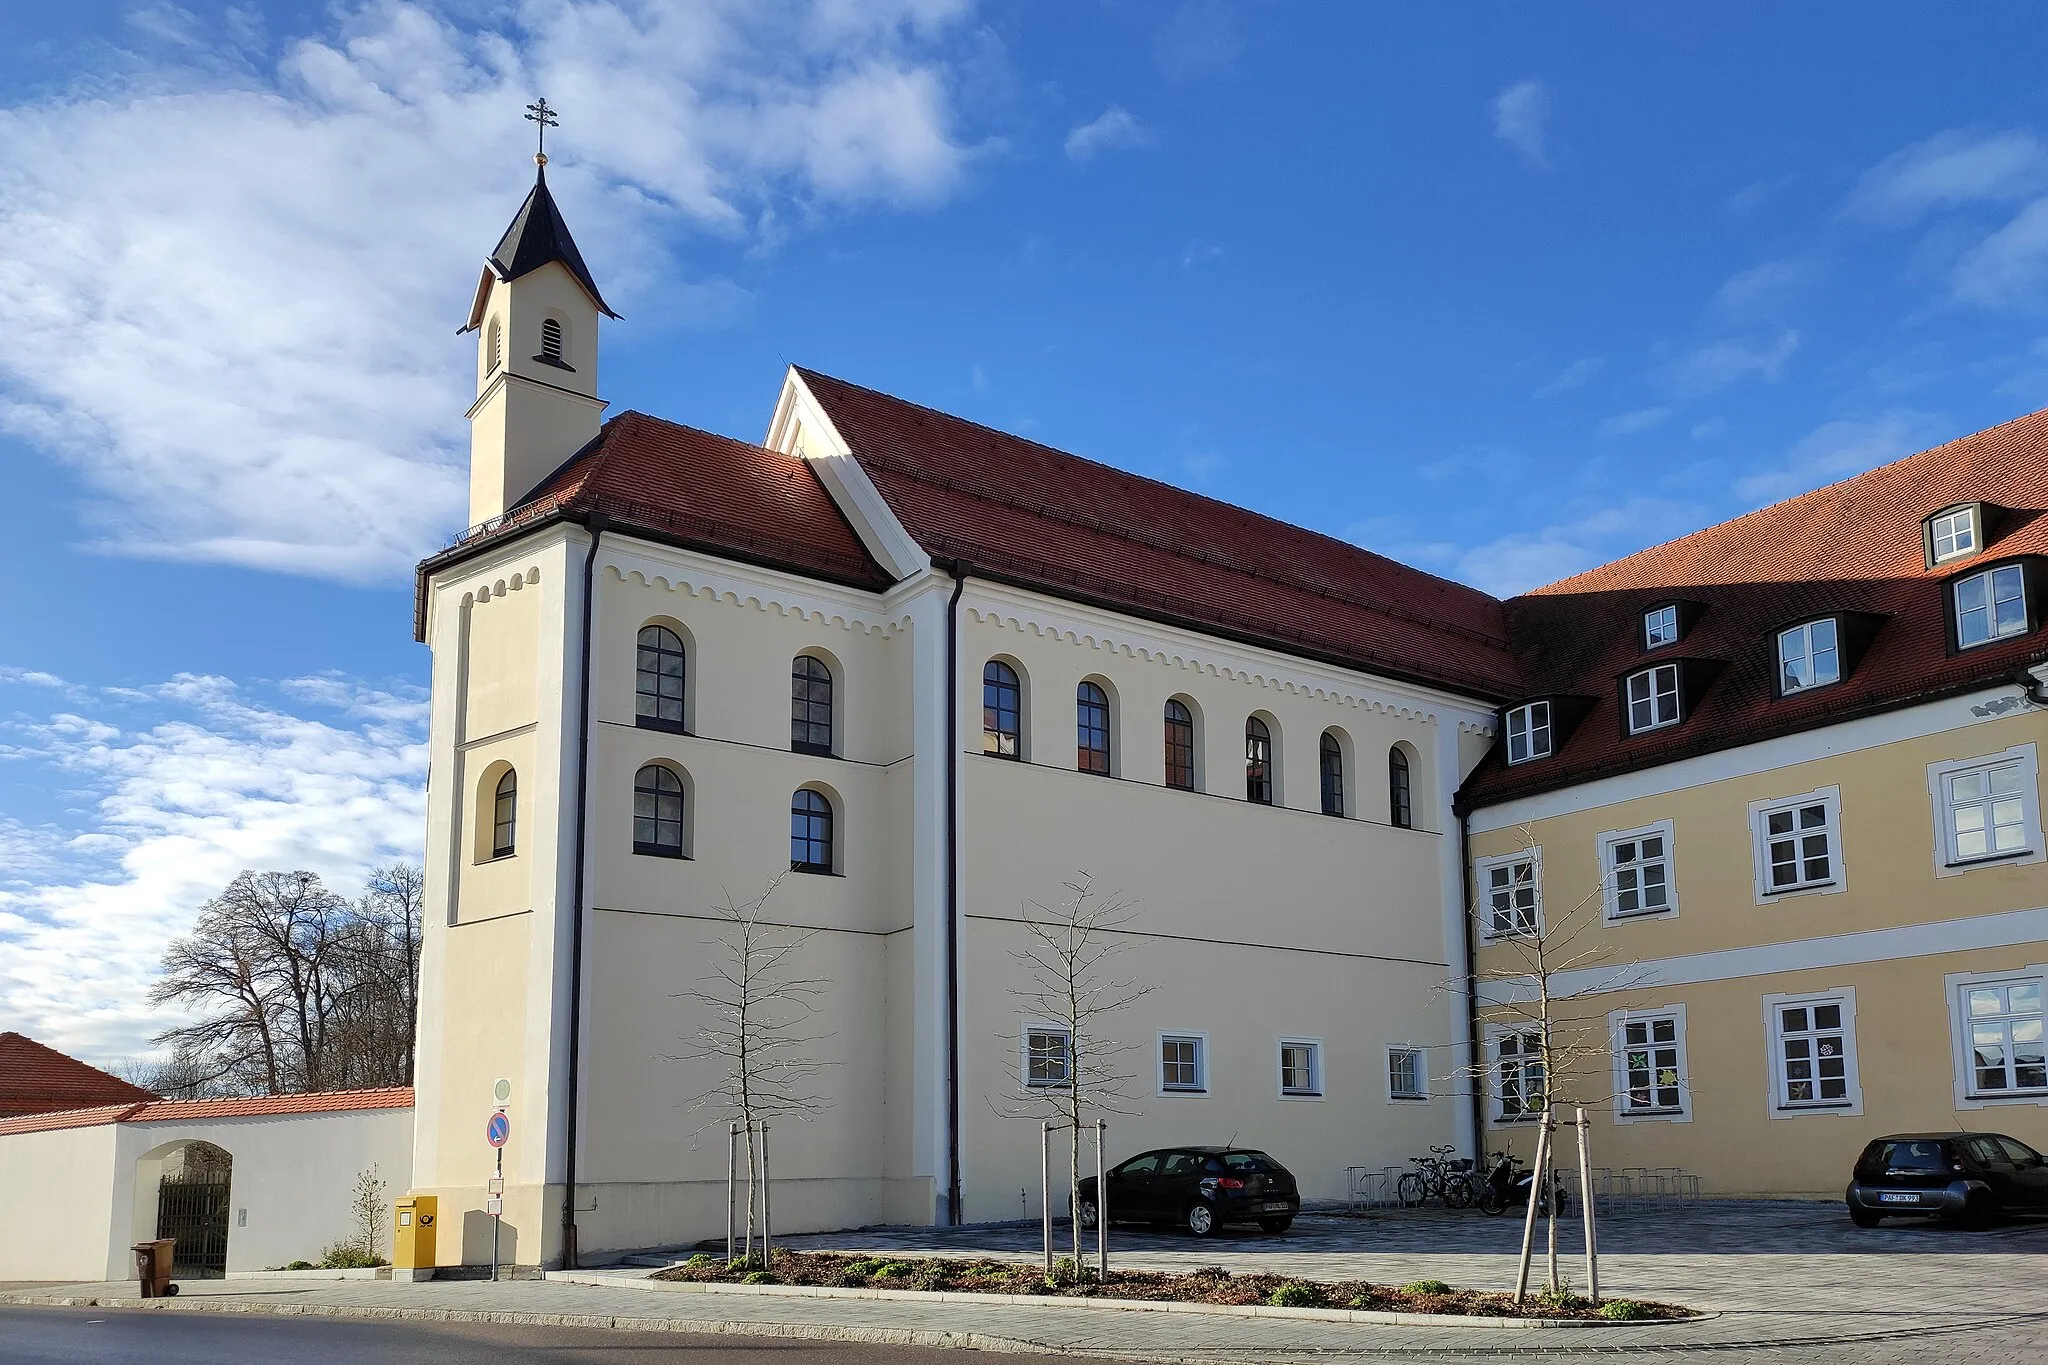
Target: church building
(925,673)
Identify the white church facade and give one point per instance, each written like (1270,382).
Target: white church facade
(926,672)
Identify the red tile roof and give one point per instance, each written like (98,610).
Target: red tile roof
(35,1079)
(1853,546)
(194,1111)
(1074,528)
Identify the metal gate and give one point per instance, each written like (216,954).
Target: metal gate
(194,1210)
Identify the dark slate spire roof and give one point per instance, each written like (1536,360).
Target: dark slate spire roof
(538,235)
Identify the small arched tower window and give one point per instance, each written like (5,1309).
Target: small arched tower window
(505,816)
(1091,728)
(1258,762)
(1180,745)
(1002,710)
(551,342)
(494,348)
(1400,800)
(810,705)
(657,812)
(658,679)
(1333,775)
(810,831)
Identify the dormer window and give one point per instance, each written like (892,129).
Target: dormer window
(1660,626)
(1954,534)
(1809,656)
(1653,698)
(550,342)
(1529,732)
(1991,605)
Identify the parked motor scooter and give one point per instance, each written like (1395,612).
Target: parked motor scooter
(1507,1183)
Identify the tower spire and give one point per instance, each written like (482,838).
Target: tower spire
(540,113)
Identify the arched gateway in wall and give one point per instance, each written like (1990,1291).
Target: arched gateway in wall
(183,1190)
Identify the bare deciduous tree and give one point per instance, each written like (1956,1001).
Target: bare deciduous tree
(1069,987)
(755,1035)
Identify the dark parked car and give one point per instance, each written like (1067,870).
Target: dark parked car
(1198,1188)
(1971,1177)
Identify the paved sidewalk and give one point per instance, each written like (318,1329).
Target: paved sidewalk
(1785,1283)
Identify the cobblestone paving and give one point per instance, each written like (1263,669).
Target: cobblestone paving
(1791,1284)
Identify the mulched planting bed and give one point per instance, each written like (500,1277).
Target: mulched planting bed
(1211,1284)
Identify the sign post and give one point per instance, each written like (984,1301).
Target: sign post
(496,1131)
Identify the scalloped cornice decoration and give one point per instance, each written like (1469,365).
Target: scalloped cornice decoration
(720,589)
(514,582)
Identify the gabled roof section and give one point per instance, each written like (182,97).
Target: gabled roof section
(35,1079)
(538,236)
(702,491)
(1853,547)
(1037,516)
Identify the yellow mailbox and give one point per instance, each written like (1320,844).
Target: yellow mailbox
(412,1244)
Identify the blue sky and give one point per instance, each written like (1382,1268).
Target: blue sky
(1501,290)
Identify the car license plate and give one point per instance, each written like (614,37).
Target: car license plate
(1276,1206)
(1890,1197)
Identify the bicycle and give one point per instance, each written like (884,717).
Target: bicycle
(1438,1176)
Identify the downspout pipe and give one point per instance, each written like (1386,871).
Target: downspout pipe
(596,523)
(959,572)
(1477,1065)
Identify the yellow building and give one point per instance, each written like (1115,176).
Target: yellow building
(1769,802)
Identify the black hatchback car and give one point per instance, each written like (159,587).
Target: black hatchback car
(1198,1188)
(1971,1177)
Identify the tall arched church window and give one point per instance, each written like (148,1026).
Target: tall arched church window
(1332,759)
(1258,762)
(1180,746)
(505,816)
(1091,727)
(1002,708)
(810,831)
(658,679)
(1400,802)
(657,812)
(810,706)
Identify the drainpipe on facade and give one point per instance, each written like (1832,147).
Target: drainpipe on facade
(959,572)
(595,522)
(1476,1067)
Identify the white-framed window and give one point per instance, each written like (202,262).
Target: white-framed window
(1636,864)
(1183,1063)
(1996,1019)
(1660,626)
(1953,534)
(1653,698)
(1511,894)
(1651,1081)
(1809,656)
(1813,1053)
(1048,1056)
(1407,1074)
(1986,810)
(1798,844)
(1301,1068)
(1529,732)
(1991,605)
(1516,1074)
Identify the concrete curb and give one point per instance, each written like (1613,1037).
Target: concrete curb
(369,1273)
(1350,1315)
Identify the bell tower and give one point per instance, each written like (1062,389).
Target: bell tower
(535,315)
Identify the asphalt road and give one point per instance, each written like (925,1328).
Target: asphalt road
(74,1336)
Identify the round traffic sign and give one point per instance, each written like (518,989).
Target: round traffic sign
(498,1129)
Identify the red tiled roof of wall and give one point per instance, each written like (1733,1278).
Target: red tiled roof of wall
(197,1111)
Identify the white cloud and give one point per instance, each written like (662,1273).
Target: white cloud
(1521,114)
(178,787)
(1721,363)
(1572,376)
(2010,267)
(1948,170)
(1113,130)
(1839,449)
(1629,423)
(1762,291)
(230,287)
(1525,560)
(1200,38)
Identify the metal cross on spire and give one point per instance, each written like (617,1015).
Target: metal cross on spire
(539,112)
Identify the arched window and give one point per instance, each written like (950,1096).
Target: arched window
(551,341)
(1333,775)
(658,679)
(810,706)
(505,816)
(1002,708)
(495,350)
(810,831)
(1258,762)
(1091,727)
(657,812)
(1400,804)
(1180,746)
